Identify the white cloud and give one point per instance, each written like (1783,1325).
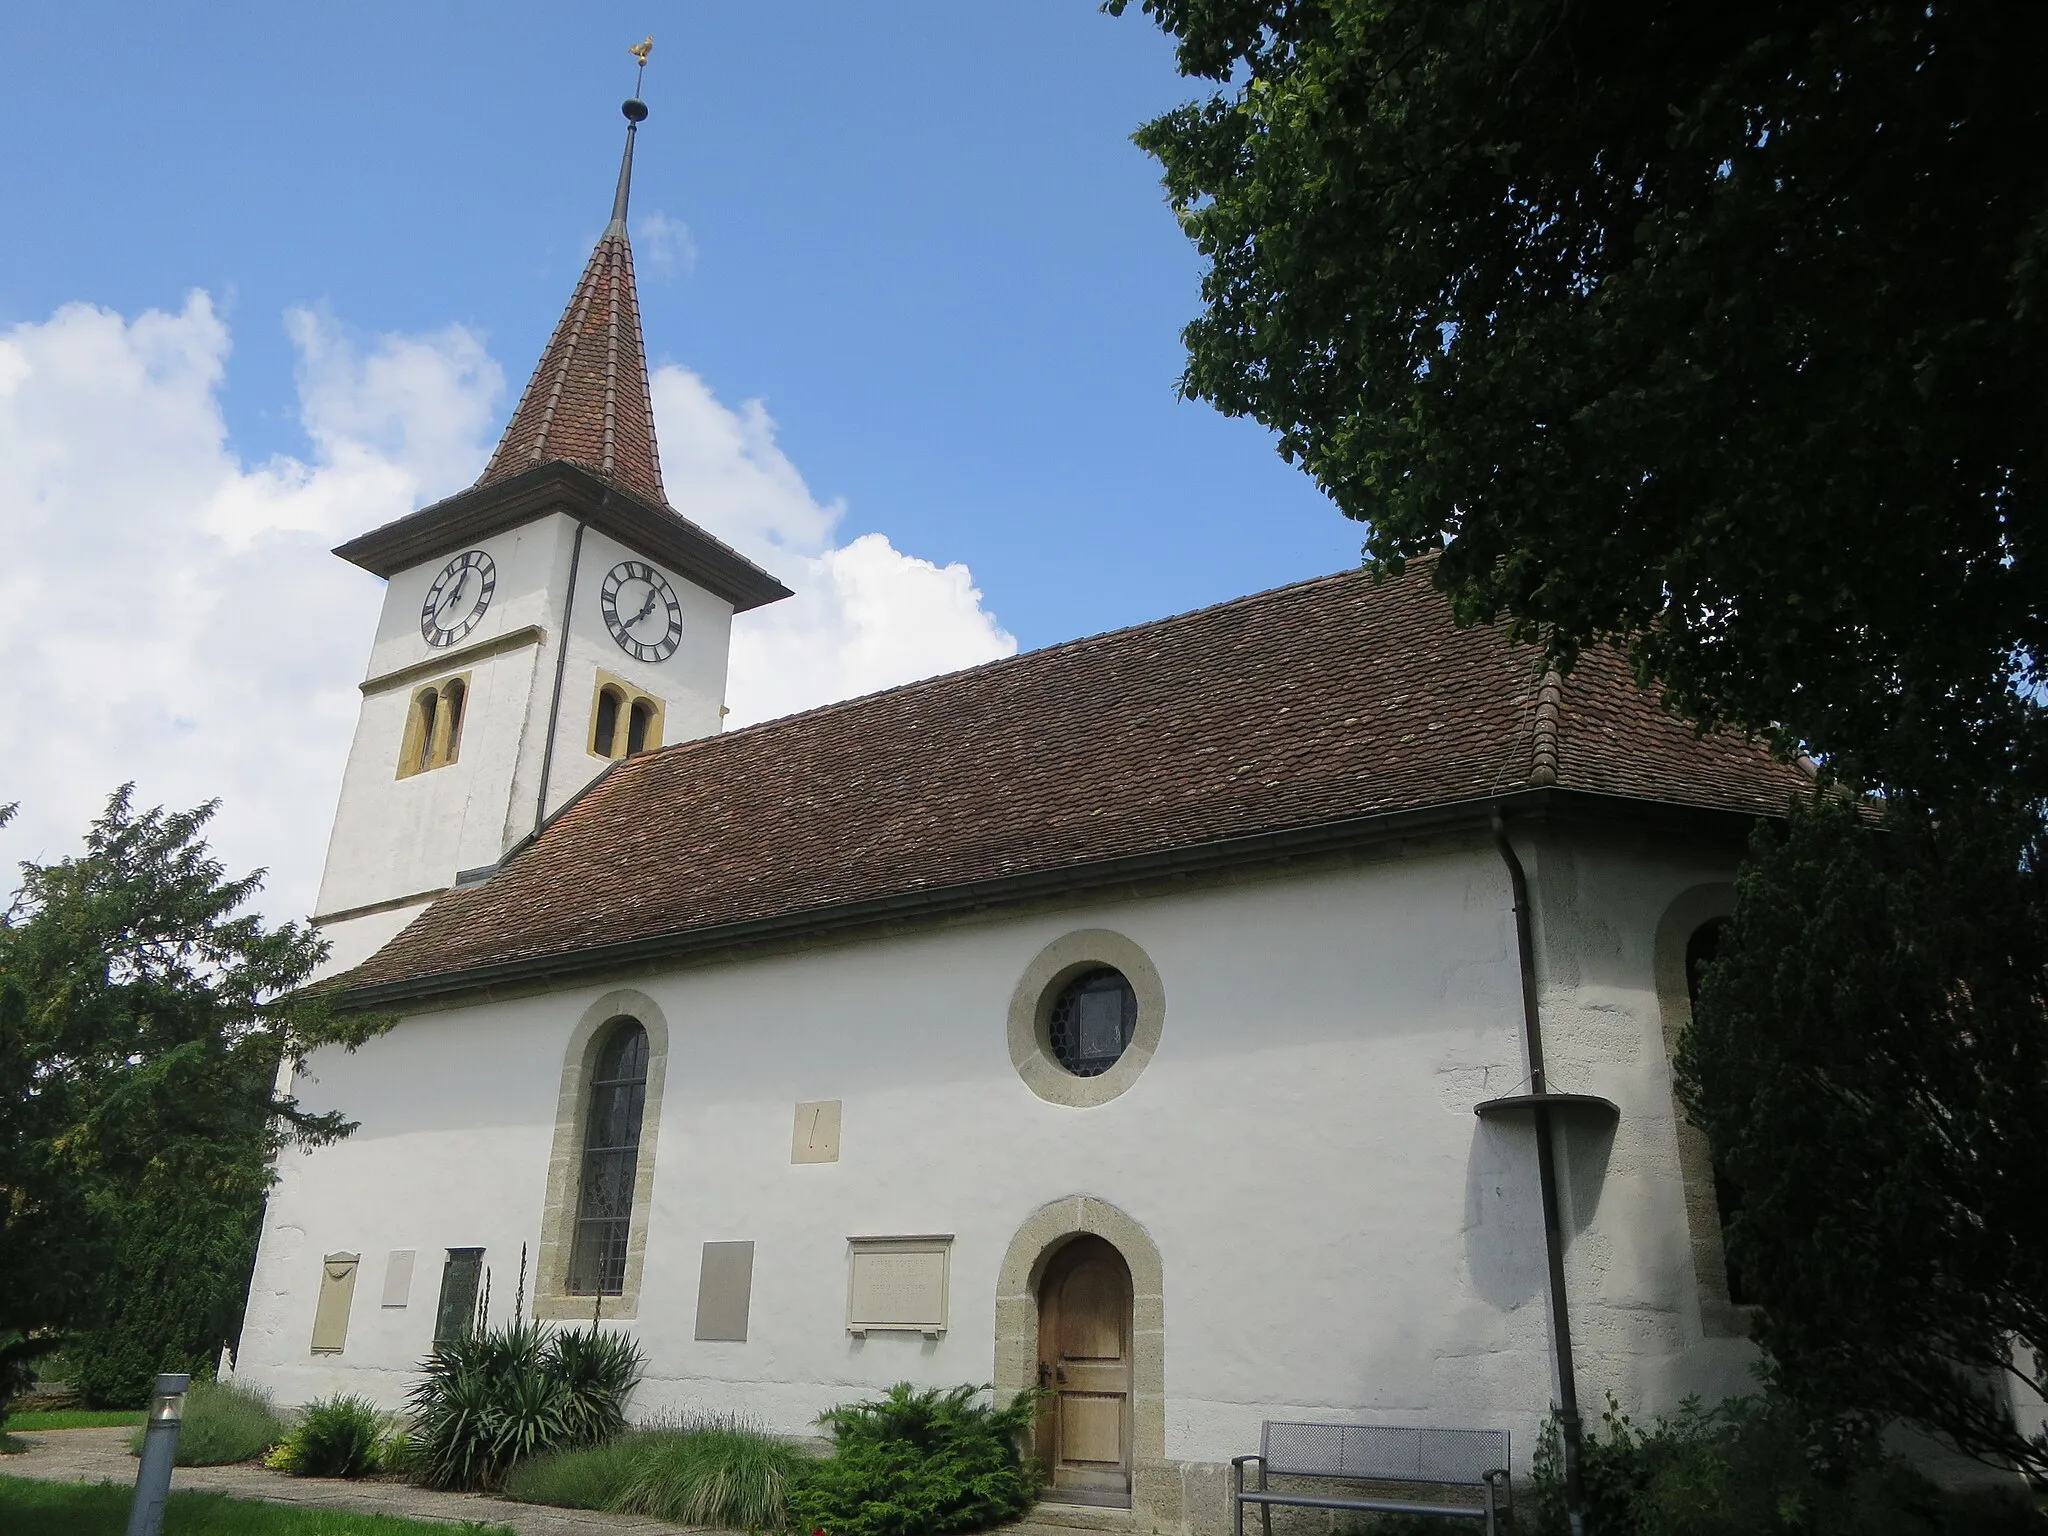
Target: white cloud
(865,615)
(169,612)
(665,244)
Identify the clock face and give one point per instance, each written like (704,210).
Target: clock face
(458,598)
(641,611)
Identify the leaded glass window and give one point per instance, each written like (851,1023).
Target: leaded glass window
(1092,1021)
(455,1313)
(611,1161)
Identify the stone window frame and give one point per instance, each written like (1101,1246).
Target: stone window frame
(1720,1316)
(552,1299)
(424,747)
(629,699)
(1030,1015)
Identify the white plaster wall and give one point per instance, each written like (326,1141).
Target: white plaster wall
(1340,1235)
(395,837)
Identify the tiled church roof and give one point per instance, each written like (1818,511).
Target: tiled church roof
(1329,701)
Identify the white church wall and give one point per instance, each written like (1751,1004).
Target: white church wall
(1637,1326)
(1339,1234)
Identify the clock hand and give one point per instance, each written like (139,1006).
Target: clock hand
(453,593)
(645,609)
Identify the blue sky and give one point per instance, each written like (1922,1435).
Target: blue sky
(276,274)
(921,236)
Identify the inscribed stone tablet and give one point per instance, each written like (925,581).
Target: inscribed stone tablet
(897,1284)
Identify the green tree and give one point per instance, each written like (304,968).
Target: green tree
(1712,329)
(1886,1129)
(142,1024)
(1715,332)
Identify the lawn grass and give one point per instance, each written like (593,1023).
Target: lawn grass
(76,1418)
(101,1509)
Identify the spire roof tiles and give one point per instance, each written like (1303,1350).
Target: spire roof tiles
(588,402)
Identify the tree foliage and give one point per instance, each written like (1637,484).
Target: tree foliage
(1886,1128)
(1716,330)
(143,1020)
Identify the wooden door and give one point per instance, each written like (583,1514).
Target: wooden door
(1084,1362)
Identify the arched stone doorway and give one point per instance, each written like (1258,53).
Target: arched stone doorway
(1080,1291)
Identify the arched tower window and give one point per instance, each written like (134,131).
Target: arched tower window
(454,694)
(623,720)
(427,706)
(604,730)
(433,726)
(610,1163)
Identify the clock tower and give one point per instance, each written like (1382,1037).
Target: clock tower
(556,616)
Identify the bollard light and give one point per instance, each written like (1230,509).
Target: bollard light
(159,1453)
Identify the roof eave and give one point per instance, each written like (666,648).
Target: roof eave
(561,485)
(1553,804)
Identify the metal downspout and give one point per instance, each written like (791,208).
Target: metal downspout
(547,750)
(1568,1423)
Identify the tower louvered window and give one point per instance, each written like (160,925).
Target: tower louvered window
(611,1162)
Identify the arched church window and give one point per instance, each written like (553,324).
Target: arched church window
(642,717)
(610,1164)
(1700,952)
(1092,1021)
(605,731)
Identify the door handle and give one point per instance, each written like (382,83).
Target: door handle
(1044,1376)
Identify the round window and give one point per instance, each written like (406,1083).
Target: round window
(1092,1020)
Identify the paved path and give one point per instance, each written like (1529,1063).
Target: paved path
(101,1456)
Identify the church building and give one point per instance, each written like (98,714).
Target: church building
(1263,1013)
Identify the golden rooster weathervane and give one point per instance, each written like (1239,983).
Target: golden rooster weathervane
(640,50)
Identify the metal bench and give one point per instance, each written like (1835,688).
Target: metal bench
(1375,1453)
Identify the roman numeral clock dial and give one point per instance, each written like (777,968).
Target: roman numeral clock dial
(457,599)
(641,611)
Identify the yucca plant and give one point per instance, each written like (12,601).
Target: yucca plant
(500,1395)
(598,1372)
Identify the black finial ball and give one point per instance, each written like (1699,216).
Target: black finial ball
(635,110)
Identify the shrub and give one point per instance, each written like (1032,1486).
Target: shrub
(919,1464)
(334,1437)
(492,1400)
(223,1424)
(714,1471)
(1755,1467)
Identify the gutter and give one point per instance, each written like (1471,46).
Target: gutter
(547,750)
(1570,1427)
(1003,890)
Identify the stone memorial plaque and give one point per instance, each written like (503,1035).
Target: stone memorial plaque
(897,1284)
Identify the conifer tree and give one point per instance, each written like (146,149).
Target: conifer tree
(143,1020)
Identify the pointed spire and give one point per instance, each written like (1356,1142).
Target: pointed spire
(588,402)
